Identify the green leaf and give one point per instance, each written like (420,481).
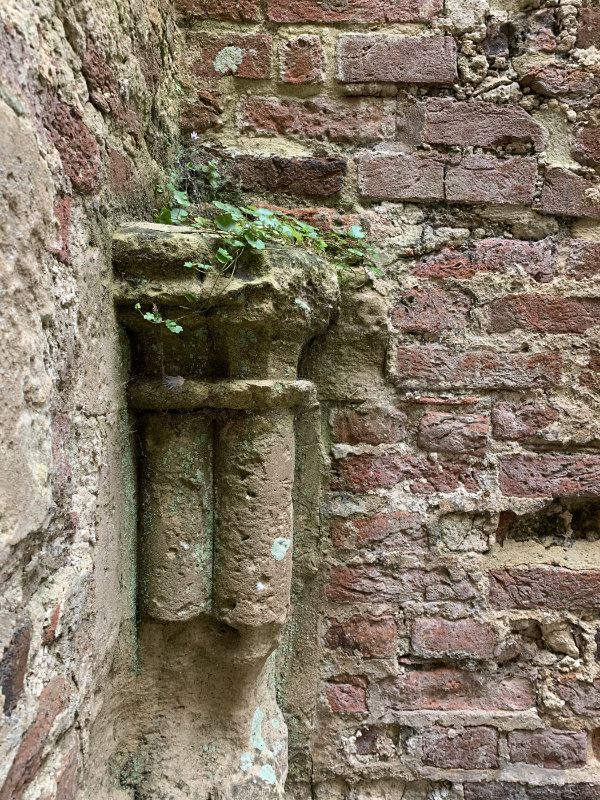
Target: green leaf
(181,198)
(225,222)
(356,232)
(190,297)
(375,270)
(164,216)
(173,326)
(254,242)
(222,256)
(138,307)
(178,216)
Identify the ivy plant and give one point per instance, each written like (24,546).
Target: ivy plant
(245,228)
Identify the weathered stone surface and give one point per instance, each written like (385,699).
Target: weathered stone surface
(372,637)
(486,179)
(549,476)
(240,55)
(583,260)
(353,11)
(431,311)
(544,314)
(514,421)
(553,749)
(302,60)
(418,176)
(453,433)
(369,425)
(399,530)
(441,638)
(569,195)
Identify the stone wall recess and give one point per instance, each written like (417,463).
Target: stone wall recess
(216,409)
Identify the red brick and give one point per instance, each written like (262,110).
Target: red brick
(314,177)
(550,476)
(473,748)
(374,58)
(401,176)
(431,310)
(398,530)
(589,28)
(478,124)
(78,150)
(586,148)
(553,749)
(583,260)
(254,51)
(543,314)
(515,422)
(67,776)
(569,195)
(364,473)
(302,60)
(372,637)
(439,368)
(545,587)
(123,175)
(452,433)
(447,689)
(487,179)
(442,638)
(346,698)
(491,255)
(13,666)
(371,585)
(220,9)
(54,699)
(62,214)
(504,255)
(202,112)
(347,120)
(369,426)
(582,698)
(561,81)
(353,10)
(517,791)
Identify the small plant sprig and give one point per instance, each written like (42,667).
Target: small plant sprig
(247,228)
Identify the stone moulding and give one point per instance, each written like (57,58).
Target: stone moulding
(216,409)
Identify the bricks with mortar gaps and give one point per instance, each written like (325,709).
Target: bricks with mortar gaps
(466,141)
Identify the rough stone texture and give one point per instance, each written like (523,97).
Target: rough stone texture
(442,640)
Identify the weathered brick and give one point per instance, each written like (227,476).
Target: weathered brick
(346,698)
(202,112)
(582,698)
(78,150)
(487,179)
(67,776)
(314,177)
(302,60)
(447,689)
(53,700)
(442,638)
(13,665)
(517,791)
(479,124)
(586,148)
(368,425)
(550,476)
(401,176)
(371,740)
(543,314)
(569,195)
(553,749)
(583,260)
(516,421)
(473,748)
(491,255)
(545,587)
(589,28)
(438,367)
(61,247)
(374,58)
(562,81)
(502,255)
(398,530)
(346,120)
(241,55)
(363,473)
(431,310)
(372,637)
(353,11)
(452,433)
(248,10)
(371,585)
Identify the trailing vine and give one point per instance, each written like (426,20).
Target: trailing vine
(244,228)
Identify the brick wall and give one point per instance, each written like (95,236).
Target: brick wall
(458,581)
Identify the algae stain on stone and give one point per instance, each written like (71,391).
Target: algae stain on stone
(246,761)
(267,774)
(279,548)
(228,60)
(256,738)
